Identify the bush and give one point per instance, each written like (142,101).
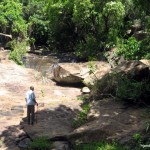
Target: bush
(88,50)
(120,86)
(130,49)
(105,87)
(147,56)
(82,116)
(19,50)
(133,91)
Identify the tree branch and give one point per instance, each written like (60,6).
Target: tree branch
(7,35)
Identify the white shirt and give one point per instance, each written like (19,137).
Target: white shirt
(30,96)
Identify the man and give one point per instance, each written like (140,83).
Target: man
(31,102)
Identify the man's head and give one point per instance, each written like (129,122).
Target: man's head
(32,88)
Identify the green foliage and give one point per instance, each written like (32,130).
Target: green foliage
(11,19)
(130,49)
(42,93)
(133,91)
(38,23)
(137,137)
(115,11)
(105,87)
(1,142)
(120,86)
(40,143)
(88,50)
(113,14)
(82,98)
(61,28)
(86,27)
(100,146)
(19,50)
(92,67)
(82,116)
(147,56)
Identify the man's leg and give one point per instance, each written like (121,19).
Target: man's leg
(32,114)
(28,113)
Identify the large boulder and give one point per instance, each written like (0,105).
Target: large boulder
(134,69)
(102,68)
(69,73)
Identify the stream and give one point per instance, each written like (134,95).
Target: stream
(40,63)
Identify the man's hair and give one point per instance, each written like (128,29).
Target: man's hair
(32,88)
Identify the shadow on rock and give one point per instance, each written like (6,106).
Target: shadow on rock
(53,123)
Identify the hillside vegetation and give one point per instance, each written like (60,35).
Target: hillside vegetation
(87,28)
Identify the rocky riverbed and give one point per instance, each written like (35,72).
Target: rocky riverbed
(58,106)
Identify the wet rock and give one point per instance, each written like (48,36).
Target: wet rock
(24,143)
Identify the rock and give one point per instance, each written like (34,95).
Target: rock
(102,69)
(113,59)
(78,72)
(62,73)
(140,35)
(4,54)
(114,122)
(133,69)
(61,145)
(86,90)
(17,110)
(145,61)
(24,143)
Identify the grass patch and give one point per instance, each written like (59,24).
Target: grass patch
(82,116)
(40,143)
(100,146)
(1,142)
(83,98)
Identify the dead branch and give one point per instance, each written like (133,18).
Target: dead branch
(7,35)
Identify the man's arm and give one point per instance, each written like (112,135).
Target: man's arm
(34,99)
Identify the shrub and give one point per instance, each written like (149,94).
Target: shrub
(147,56)
(40,143)
(122,87)
(133,91)
(130,49)
(19,50)
(105,87)
(82,116)
(88,50)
